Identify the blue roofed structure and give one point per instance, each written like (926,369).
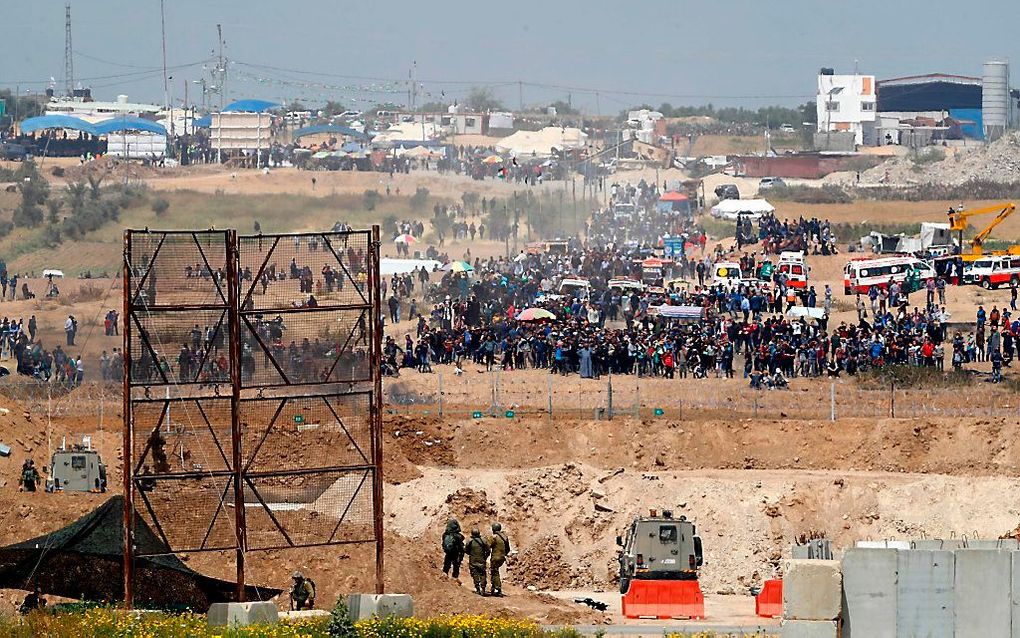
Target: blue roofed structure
(250,106)
(129,124)
(49,122)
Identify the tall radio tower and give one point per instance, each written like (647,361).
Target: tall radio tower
(68,52)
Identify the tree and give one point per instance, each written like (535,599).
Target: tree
(333,108)
(75,194)
(371,199)
(53,206)
(563,108)
(34,191)
(441,223)
(389,226)
(296,106)
(25,107)
(482,98)
(160,206)
(433,107)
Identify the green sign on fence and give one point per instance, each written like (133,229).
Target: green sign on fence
(659,412)
(509,414)
(476,415)
(299,419)
(3,107)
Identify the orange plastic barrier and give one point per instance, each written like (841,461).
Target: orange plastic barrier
(769,603)
(664,599)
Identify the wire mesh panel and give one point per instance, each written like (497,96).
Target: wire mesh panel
(252,386)
(307,374)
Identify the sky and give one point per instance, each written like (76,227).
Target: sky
(601,56)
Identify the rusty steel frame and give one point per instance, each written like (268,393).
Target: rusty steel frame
(238,472)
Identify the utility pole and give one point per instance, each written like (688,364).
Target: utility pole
(68,53)
(223,80)
(520,95)
(166,80)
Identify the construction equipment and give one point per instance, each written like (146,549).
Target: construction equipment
(78,468)
(958,223)
(659,561)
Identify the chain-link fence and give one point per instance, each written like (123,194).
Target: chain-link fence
(496,393)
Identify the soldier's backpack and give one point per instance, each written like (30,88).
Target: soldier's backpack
(506,541)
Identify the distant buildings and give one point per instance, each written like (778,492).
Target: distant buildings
(847,104)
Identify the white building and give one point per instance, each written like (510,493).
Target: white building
(847,103)
(94,112)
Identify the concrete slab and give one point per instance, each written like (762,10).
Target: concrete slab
(808,629)
(982,593)
(924,593)
(869,593)
(242,614)
(994,543)
(364,606)
(883,544)
(812,589)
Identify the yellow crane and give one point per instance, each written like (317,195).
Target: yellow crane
(958,223)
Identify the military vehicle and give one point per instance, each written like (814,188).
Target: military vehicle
(78,468)
(659,548)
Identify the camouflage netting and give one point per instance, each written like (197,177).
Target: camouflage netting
(84,560)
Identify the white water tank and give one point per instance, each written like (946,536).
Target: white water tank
(995,98)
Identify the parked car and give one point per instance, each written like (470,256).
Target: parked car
(727,191)
(13,152)
(787,128)
(770,182)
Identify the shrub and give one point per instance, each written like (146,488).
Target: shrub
(341,625)
(931,155)
(160,206)
(371,199)
(827,194)
(907,376)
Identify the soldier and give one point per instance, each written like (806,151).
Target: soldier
(499,546)
(302,593)
(453,548)
(477,550)
(29,476)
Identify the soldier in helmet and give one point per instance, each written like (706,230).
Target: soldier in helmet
(302,593)
(453,548)
(478,551)
(29,476)
(499,546)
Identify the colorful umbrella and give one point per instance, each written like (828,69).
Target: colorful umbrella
(535,314)
(492,159)
(405,239)
(458,266)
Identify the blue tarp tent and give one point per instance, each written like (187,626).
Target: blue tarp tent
(129,124)
(250,106)
(328,128)
(45,122)
(203,122)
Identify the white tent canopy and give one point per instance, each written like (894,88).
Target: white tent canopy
(542,143)
(391,266)
(734,208)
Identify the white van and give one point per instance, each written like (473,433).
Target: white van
(578,288)
(726,273)
(860,275)
(992,271)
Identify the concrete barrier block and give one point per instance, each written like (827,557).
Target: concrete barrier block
(1015,597)
(924,593)
(364,606)
(242,614)
(883,544)
(982,593)
(812,589)
(808,629)
(993,543)
(869,593)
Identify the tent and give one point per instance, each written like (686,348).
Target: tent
(127,123)
(202,122)
(804,311)
(543,142)
(673,196)
(44,122)
(734,208)
(84,560)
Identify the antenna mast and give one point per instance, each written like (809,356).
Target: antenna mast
(68,52)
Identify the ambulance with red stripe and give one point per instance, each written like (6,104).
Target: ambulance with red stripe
(992,271)
(793,265)
(861,274)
